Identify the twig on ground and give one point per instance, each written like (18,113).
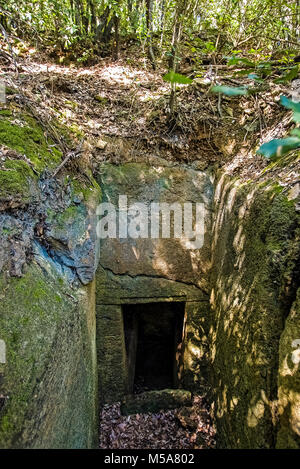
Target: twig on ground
(70,155)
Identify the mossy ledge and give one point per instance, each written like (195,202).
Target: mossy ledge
(31,154)
(23,133)
(17,182)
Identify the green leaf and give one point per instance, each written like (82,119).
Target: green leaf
(293,73)
(296,117)
(265,65)
(230,90)
(247,62)
(279,147)
(235,60)
(254,76)
(173,77)
(243,72)
(295,132)
(289,76)
(289,104)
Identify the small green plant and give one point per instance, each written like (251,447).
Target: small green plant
(289,104)
(279,147)
(263,69)
(175,79)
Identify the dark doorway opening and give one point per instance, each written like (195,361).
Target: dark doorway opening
(153,338)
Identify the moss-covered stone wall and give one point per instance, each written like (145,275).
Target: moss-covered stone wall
(289,381)
(255,254)
(194,374)
(49,378)
(243,347)
(48,258)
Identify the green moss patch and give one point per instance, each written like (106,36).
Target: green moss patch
(253,266)
(16,181)
(49,363)
(84,190)
(27,137)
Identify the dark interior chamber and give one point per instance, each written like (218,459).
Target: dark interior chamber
(153,337)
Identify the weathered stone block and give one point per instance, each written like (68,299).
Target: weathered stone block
(254,257)
(50,375)
(154,401)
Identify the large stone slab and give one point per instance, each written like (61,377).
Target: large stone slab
(121,289)
(146,270)
(111,353)
(170,259)
(154,401)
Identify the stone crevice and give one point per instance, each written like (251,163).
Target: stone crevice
(148,276)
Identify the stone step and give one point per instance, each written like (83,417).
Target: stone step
(155,401)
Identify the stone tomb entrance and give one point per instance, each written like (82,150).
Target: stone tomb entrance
(151,300)
(154,345)
(151,344)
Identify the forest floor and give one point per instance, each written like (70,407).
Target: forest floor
(120,110)
(183,428)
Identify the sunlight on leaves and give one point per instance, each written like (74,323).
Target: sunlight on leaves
(230,90)
(289,104)
(279,147)
(177,78)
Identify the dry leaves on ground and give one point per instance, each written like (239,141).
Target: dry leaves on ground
(185,428)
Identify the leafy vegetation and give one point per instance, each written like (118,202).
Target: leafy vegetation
(184,41)
(266,28)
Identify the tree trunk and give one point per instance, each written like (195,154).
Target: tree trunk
(103,30)
(177,33)
(117,37)
(149,23)
(78,15)
(162,21)
(93,16)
